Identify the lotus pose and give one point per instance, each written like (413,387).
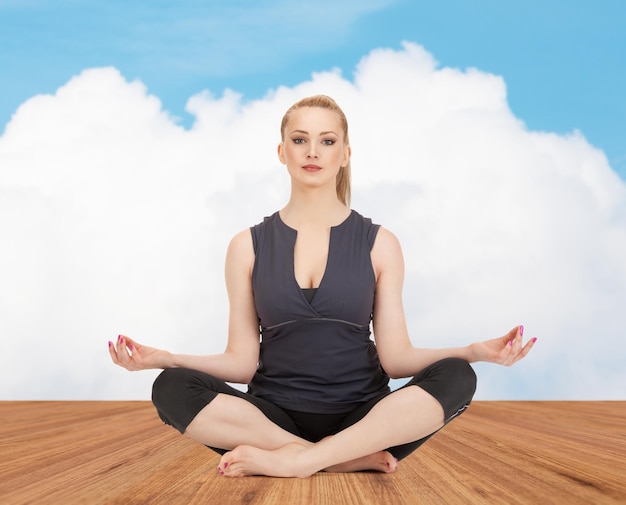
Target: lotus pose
(307,288)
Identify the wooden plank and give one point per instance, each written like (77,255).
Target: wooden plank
(497,452)
(532,452)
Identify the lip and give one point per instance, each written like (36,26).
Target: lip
(312,168)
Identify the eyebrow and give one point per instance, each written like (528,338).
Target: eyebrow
(306,132)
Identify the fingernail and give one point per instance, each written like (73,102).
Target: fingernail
(534,339)
(510,343)
(119,338)
(219,469)
(132,347)
(521,331)
(225,465)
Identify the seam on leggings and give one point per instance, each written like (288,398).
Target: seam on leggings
(457,413)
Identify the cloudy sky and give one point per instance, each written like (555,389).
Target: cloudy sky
(137,138)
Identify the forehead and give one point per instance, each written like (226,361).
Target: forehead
(314,119)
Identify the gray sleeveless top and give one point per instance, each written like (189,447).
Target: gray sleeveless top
(316,356)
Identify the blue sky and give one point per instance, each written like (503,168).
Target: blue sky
(479,132)
(564,61)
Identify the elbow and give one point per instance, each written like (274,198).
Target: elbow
(395,365)
(240,376)
(249,368)
(394,374)
(391,369)
(248,375)
(241,367)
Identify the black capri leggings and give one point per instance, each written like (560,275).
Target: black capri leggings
(179,394)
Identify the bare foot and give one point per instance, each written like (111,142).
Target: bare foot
(379,462)
(246,460)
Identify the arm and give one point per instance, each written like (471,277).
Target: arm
(238,362)
(397,355)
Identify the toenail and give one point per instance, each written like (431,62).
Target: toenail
(225,465)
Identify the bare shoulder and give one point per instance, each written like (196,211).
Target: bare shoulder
(241,241)
(386,241)
(240,249)
(387,251)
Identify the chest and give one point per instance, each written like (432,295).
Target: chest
(337,262)
(310,257)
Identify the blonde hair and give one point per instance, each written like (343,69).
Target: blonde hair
(325,102)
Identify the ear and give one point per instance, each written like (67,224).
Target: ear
(346,156)
(281,154)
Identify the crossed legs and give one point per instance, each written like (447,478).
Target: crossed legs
(358,447)
(264,440)
(234,423)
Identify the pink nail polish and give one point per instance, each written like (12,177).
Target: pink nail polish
(110,343)
(119,338)
(534,339)
(225,465)
(132,347)
(521,331)
(510,343)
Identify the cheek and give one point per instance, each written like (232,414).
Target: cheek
(344,157)
(285,154)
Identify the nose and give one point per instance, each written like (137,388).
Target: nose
(312,151)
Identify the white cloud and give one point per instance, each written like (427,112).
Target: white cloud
(114,219)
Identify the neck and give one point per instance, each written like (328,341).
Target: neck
(314,208)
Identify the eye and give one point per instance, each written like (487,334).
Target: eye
(328,142)
(298,140)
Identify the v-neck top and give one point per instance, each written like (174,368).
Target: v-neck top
(316,356)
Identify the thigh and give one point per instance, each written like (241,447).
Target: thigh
(451,381)
(359,412)
(179,394)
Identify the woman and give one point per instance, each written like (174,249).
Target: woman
(313,276)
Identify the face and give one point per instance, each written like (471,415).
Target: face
(314,147)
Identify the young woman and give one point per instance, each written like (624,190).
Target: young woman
(310,279)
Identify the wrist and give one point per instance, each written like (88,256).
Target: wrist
(169,360)
(471,354)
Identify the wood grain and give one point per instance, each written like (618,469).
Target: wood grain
(497,452)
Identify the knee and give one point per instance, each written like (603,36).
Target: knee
(456,384)
(462,375)
(167,387)
(452,382)
(173,397)
(178,394)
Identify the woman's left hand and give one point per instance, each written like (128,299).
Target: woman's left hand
(506,350)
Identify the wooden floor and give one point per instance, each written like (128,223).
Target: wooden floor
(497,452)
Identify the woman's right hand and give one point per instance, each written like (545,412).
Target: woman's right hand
(133,356)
